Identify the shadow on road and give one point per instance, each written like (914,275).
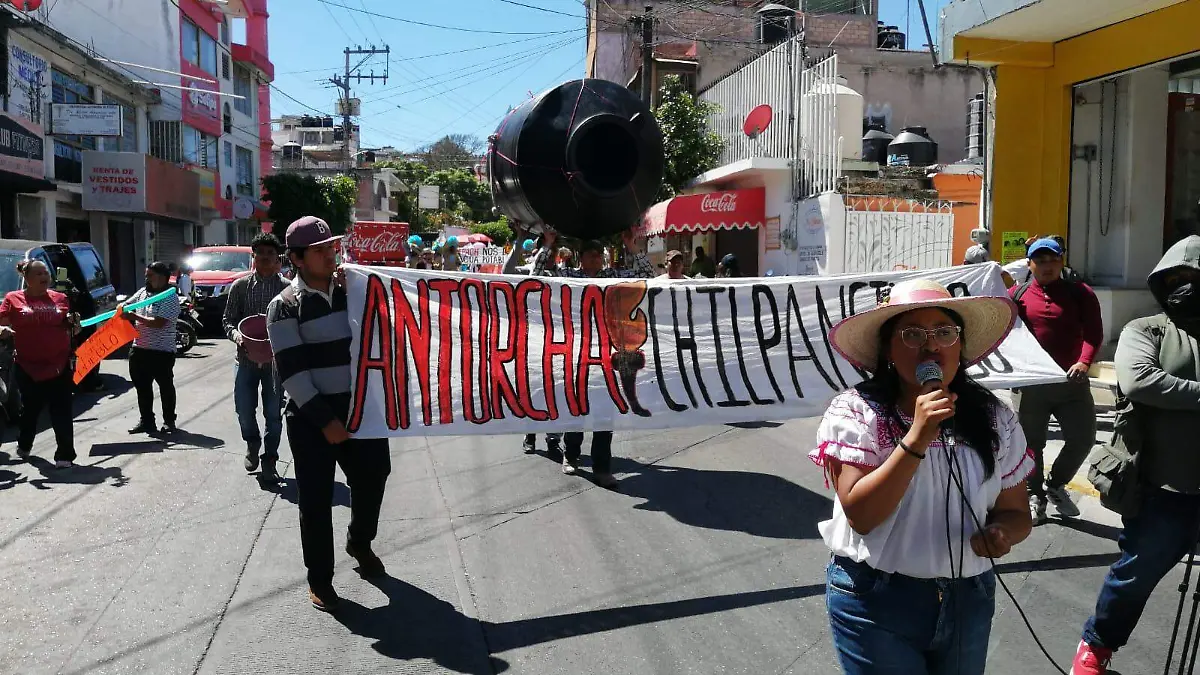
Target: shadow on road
(760,504)
(417,625)
(286,489)
(80,474)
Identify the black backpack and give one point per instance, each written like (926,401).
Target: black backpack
(1069,275)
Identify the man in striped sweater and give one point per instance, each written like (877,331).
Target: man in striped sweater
(310,335)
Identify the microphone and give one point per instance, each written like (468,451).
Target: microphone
(929,376)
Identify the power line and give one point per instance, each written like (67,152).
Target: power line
(430,56)
(426,24)
(542,9)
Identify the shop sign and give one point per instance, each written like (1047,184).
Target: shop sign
(208,187)
(726,210)
(376,243)
(130,182)
(28,79)
(22,150)
(85,119)
(201,100)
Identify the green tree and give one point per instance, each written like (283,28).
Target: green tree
(294,196)
(463,194)
(690,147)
(455,151)
(498,230)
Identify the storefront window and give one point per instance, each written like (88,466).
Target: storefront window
(190,37)
(68,150)
(128,140)
(245,172)
(1183,155)
(242,86)
(199,148)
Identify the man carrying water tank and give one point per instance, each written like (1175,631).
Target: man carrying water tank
(249,296)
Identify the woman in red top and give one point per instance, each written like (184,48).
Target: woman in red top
(41,323)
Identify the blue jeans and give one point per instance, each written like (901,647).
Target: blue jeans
(1162,532)
(248,380)
(891,623)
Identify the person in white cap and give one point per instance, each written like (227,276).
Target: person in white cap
(929,470)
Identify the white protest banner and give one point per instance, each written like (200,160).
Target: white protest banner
(440,353)
(483,255)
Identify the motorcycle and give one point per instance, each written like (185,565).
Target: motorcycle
(187,326)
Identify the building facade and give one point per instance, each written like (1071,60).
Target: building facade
(1095,131)
(151,184)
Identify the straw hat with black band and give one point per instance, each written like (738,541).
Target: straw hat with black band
(987,320)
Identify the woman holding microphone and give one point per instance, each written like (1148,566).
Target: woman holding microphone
(42,324)
(929,469)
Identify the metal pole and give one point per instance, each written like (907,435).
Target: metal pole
(648,56)
(346,112)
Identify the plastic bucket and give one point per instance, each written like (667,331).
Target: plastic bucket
(255,340)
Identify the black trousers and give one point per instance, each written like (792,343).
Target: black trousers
(54,394)
(366,464)
(601,449)
(147,366)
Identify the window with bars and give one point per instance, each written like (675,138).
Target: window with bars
(166,140)
(245,172)
(243,86)
(225,68)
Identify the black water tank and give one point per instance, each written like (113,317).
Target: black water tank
(775,24)
(875,145)
(585,157)
(890,37)
(912,147)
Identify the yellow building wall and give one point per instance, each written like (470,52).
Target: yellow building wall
(1031,166)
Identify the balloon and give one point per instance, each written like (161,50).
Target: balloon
(452,242)
(416,240)
(528,245)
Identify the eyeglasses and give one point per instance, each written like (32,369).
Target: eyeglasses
(943,336)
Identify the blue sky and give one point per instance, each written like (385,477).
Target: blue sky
(430,93)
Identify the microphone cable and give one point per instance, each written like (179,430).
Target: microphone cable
(979,527)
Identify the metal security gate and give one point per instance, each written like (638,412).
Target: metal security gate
(885,234)
(168,245)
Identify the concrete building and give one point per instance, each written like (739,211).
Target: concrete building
(1095,131)
(705,42)
(303,142)
(167,68)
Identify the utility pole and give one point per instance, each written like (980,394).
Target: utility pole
(646,21)
(342,82)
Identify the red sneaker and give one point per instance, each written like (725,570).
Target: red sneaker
(1091,660)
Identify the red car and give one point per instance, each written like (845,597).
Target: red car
(214,269)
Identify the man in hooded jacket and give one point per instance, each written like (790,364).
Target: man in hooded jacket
(1158,369)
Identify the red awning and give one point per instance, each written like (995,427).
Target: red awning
(728,210)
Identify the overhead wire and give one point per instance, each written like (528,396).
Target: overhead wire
(460,29)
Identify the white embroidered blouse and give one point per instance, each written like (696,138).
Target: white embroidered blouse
(913,541)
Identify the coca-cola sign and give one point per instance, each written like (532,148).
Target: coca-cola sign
(370,243)
(719,202)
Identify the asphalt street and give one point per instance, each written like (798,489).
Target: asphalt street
(167,558)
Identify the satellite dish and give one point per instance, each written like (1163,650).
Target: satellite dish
(757,121)
(243,208)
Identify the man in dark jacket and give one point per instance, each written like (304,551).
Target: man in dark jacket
(1157,369)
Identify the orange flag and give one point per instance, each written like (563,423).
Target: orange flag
(113,335)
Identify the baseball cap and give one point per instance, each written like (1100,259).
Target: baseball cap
(671,255)
(1045,245)
(308,231)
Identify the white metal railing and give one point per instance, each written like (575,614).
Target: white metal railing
(762,81)
(885,234)
(804,110)
(820,146)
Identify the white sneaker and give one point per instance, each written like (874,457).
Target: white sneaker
(1063,506)
(1037,508)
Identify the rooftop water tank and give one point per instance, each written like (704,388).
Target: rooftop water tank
(913,147)
(775,24)
(875,145)
(849,113)
(890,37)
